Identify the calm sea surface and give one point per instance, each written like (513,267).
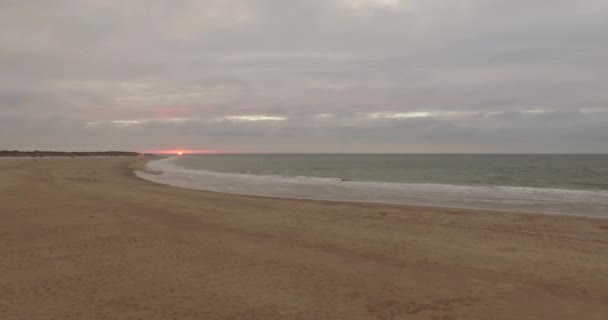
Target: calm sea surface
(576,172)
(552,184)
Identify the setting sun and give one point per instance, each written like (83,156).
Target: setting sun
(181,152)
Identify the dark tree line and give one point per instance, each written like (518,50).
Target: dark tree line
(15,153)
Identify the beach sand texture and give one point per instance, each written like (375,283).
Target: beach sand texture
(86,239)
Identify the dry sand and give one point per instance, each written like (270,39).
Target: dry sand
(86,239)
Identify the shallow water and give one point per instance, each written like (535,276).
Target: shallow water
(577,172)
(416,180)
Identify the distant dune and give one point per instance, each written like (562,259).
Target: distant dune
(15,153)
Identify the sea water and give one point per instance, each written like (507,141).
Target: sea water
(560,184)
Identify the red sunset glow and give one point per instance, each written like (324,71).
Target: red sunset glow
(171,112)
(182,151)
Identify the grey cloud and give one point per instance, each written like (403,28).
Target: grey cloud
(68,63)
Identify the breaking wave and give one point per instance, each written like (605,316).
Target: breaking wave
(518,199)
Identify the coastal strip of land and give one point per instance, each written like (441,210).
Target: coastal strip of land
(42,154)
(84,238)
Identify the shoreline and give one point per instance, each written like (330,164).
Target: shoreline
(494,199)
(87,238)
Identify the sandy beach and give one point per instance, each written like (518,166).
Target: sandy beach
(84,238)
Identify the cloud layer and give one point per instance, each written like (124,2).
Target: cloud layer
(305,75)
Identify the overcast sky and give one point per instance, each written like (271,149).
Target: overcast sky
(305,75)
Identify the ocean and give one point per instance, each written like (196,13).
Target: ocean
(559,184)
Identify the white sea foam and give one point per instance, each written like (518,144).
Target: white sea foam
(520,199)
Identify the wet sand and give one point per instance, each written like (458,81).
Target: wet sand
(84,238)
